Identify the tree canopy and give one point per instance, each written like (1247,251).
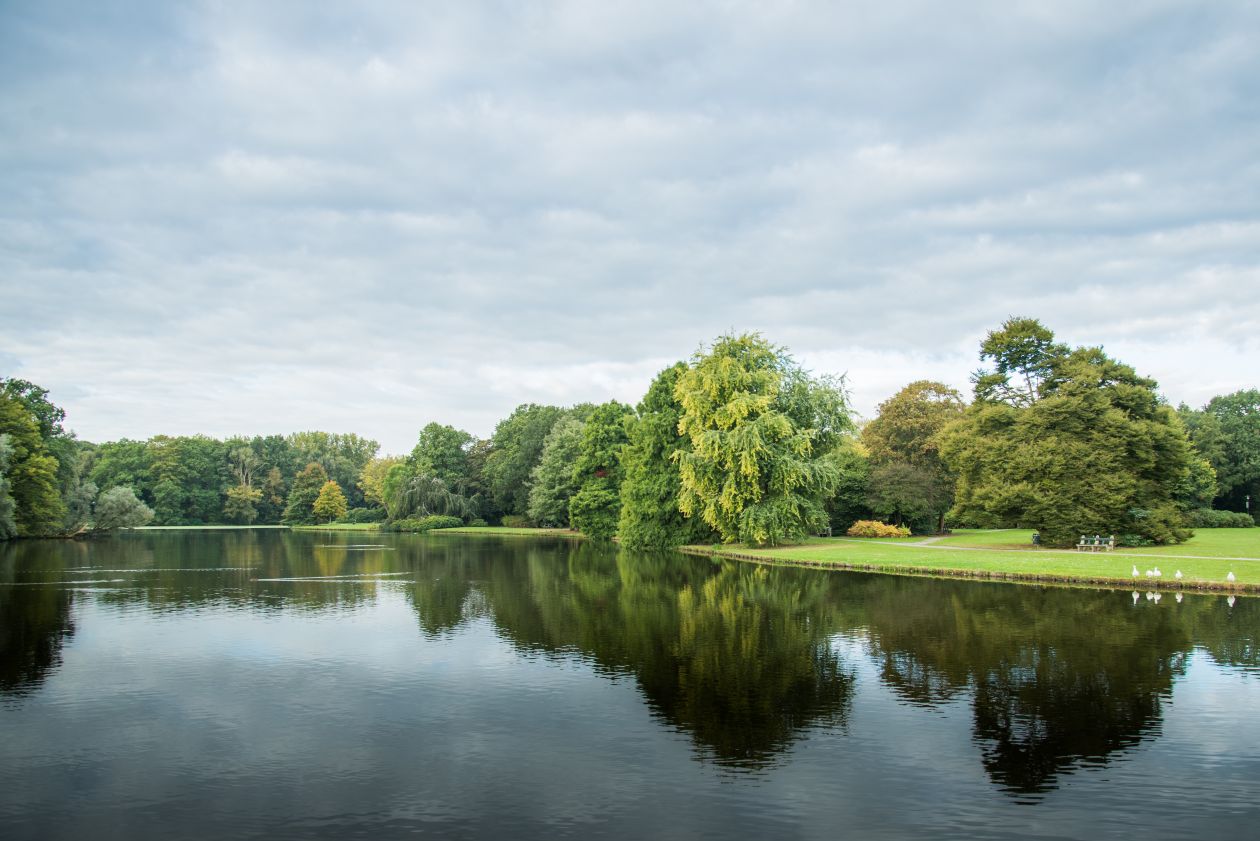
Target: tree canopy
(596,504)
(760,429)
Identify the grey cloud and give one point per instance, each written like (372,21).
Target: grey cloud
(230,217)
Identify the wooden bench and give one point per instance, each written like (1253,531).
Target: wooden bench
(1097,543)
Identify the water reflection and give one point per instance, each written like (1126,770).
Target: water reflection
(741,659)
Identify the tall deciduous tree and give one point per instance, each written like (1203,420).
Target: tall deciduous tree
(442,451)
(596,506)
(8,526)
(516,447)
(552,483)
(903,443)
(119,508)
(1090,449)
(307,485)
(330,504)
(1236,418)
(650,517)
(372,479)
(760,430)
(32,471)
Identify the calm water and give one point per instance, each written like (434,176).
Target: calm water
(273,685)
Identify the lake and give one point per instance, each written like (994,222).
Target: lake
(273,684)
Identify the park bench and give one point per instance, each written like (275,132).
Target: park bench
(1097,543)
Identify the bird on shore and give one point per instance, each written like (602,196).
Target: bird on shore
(1150,573)
(1136,574)
(1177,575)
(1230,577)
(1158,574)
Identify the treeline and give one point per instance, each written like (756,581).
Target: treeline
(738,444)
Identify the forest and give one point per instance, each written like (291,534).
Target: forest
(739,444)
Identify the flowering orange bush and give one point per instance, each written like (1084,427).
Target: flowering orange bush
(874,528)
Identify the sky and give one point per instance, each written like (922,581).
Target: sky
(254,218)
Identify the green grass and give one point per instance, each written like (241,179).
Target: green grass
(979,553)
(505,531)
(203,528)
(340,527)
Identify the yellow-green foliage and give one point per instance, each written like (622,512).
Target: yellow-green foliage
(331,503)
(874,528)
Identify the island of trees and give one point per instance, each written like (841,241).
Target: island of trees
(739,444)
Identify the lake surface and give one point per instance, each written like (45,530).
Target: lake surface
(264,684)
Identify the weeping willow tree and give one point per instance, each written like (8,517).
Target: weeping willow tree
(423,494)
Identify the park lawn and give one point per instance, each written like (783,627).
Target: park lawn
(989,538)
(1216,543)
(340,527)
(508,531)
(203,528)
(1043,565)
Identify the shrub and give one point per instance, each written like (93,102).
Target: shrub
(1208,518)
(478,523)
(364,515)
(434,521)
(874,528)
(515,521)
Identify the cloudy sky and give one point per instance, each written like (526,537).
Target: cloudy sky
(263,217)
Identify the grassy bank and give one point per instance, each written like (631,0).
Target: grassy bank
(505,531)
(340,527)
(1204,561)
(203,528)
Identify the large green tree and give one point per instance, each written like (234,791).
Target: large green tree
(903,444)
(552,483)
(650,517)
(307,485)
(1227,433)
(442,451)
(760,430)
(1072,442)
(31,475)
(596,505)
(515,449)
(8,526)
(119,508)
(330,504)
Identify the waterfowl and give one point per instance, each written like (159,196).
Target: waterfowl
(1177,575)
(1136,574)
(1230,577)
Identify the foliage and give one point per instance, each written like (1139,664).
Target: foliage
(650,517)
(552,483)
(760,429)
(300,510)
(515,521)
(433,521)
(331,503)
(904,441)
(342,455)
(240,506)
(442,451)
(911,495)
(1208,518)
(31,477)
(1227,433)
(848,502)
(1089,449)
(425,495)
(596,505)
(1025,350)
(8,526)
(364,515)
(515,449)
(874,528)
(372,478)
(118,508)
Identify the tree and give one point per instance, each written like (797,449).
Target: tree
(552,483)
(596,504)
(8,526)
(422,495)
(119,508)
(1236,457)
(32,472)
(372,479)
(516,448)
(343,456)
(307,485)
(331,503)
(1024,349)
(241,504)
(650,517)
(442,451)
(906,433)
(1092,450)
(760,429)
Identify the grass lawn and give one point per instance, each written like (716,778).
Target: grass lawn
(340,527)
(1204,560)
(203,528)
(505,531)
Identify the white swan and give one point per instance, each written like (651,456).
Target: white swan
(1136,574)
(1177,575)
(1150,573)
(1230,577)
(1158,574)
